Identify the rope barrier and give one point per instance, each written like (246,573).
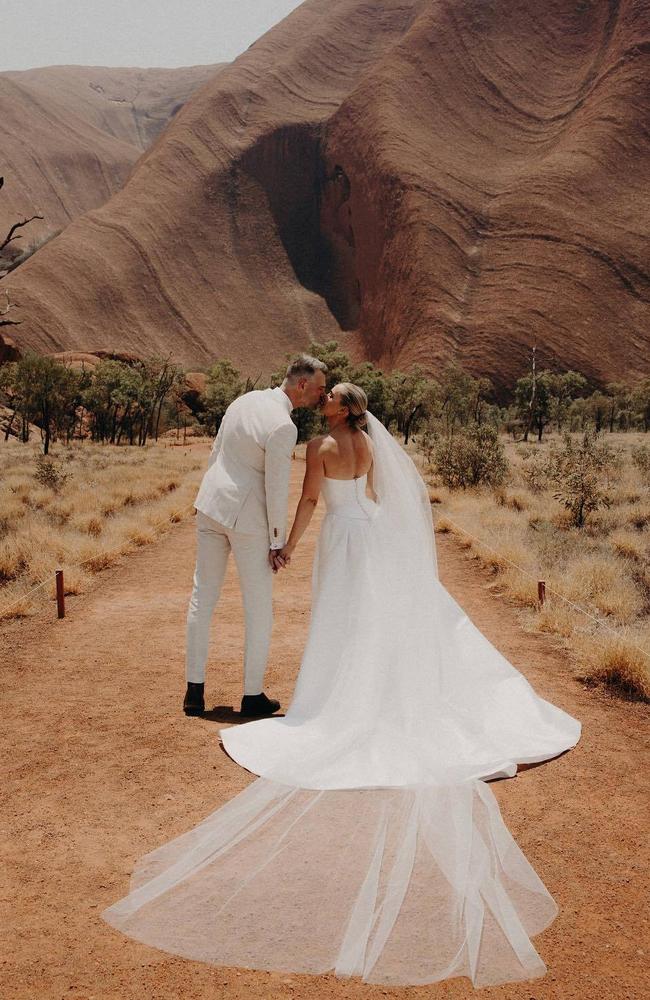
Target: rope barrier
(23,597)
(459,527)
(80,565)
(551,590)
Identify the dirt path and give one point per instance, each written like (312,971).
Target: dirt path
(100,766)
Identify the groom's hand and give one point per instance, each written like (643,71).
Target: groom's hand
(276,560)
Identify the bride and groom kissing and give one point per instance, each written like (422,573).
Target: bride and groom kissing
(370,843)
(242,507)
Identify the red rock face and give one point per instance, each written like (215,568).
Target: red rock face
(53,163)
(69,135)
(130,104)
(422,180)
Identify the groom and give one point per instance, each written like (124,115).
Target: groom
(242,506)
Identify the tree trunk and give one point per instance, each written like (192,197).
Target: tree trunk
(125,417)
(409,421)
(160,406)
(10,425)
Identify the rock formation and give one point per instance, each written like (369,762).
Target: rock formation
(69,135)
(133,105)
(421,180)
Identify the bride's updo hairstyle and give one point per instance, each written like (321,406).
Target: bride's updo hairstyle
(357,403)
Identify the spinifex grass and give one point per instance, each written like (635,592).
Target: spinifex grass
(85,510)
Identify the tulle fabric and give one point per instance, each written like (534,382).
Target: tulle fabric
(398,886)
(370,845)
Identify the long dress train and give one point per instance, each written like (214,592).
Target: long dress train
(370,844)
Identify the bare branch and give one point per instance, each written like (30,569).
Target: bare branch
(3,312)
(18,225)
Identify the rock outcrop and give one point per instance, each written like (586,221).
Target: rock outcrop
(69,135)
(422,180)
(133,105)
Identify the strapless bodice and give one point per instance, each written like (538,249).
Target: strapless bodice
(347,498)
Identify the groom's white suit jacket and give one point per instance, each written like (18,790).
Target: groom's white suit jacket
(246,485)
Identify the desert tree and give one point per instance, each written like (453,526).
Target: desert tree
(223,384)
(620,405)
(640,403)
(12,236)
(414,396)
(579,470)
(161,376)
(41,391)
(546,396)
(462,397)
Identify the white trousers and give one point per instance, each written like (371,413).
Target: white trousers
(213,545)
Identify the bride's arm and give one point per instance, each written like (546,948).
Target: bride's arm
(310,492)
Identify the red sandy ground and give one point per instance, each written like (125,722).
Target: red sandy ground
(100,766)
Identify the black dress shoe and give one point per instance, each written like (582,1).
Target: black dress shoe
(258,704)
(193,703)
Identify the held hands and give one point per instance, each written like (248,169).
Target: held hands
(280,558)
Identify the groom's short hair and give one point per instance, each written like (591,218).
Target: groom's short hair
(303,366)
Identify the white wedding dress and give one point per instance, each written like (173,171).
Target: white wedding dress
(370,844)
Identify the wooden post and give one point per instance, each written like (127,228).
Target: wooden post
(60,594)
(541,591)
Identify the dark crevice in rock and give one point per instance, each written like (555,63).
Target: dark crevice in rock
(310,207)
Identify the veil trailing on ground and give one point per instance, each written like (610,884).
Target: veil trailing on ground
(370,844)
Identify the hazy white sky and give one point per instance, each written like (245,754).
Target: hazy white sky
(132,32)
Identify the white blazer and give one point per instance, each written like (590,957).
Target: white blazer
(246,485)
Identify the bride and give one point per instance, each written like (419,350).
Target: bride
(370,844)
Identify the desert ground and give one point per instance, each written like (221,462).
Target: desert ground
(101,766)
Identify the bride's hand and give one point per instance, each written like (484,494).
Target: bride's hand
(285,553)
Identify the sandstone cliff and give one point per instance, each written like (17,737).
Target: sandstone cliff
(424,180)
(134,105)
(69,135)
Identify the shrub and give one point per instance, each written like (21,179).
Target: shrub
(578,470)
(471,458)
(47,474)
(535,473)
(641,458)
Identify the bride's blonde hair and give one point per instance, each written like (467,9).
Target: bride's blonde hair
(356,401)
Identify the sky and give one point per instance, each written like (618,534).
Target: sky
(132,32)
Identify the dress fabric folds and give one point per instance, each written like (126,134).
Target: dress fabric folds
(370,844)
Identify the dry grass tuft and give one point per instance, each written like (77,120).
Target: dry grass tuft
(629,545)
(640,518)
(619,663)
(16,605)
(515,501)
(557,618)
(108,502)
(444,526)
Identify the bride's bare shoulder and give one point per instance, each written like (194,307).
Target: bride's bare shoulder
(319,446)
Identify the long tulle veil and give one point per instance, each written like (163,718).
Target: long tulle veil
(404,502)
(377,850)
